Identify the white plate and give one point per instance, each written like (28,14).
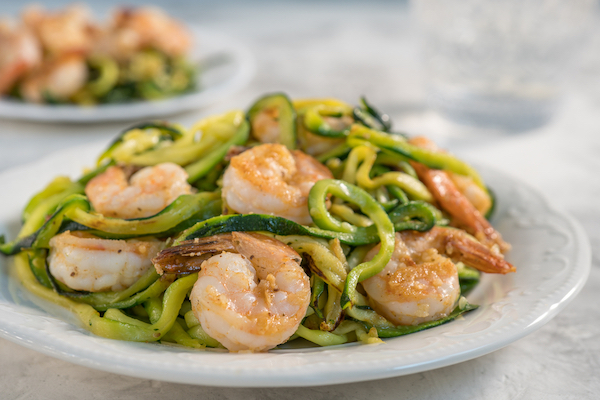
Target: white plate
(229,67)
(550,250)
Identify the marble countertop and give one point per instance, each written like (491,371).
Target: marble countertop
(347,51)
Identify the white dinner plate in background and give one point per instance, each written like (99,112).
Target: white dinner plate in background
(226,66)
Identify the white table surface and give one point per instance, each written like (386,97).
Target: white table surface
(346,50)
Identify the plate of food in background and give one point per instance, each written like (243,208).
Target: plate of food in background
(65,66)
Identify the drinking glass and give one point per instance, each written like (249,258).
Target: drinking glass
(499,63)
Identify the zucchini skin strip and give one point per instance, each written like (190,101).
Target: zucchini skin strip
(202,167)
(106,327)
(195,144)
(372,209)
(413,216)
(314,122)
(37,264)
(50,197)
(317,290)
(168,132)
(77,209)
(381,118)
(103,301)
(270,223)
(398,145)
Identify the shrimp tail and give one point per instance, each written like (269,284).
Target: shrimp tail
(188,257)
(476,255)
(459,246)
(10,74)
(464,214)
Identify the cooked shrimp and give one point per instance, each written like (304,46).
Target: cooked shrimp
(265,126)
(252,296)
(66,31)
(480,199)
(19,52)
(58,79)
(460,197)
(463,212)
(458,246)
(133,30)
(420,283)
(148,191)
(315,144)
(271,179)
(413,287)
(85,262)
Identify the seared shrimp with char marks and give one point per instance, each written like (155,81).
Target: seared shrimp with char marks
(147,192)
(251,296)
(420,283)
(85,262)
(271,179)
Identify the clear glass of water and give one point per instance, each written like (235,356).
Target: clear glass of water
(499,63)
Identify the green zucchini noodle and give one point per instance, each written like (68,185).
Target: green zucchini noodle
(376,195)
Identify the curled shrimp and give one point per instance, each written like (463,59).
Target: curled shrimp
(85,262)
(147,192)
(314,144)
(420,283)
(133,30)
(265,126)
(19,53)
(271,179)
(251,293)
(58,79)
(67,31)
(460,197)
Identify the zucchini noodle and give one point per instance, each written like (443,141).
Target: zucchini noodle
(358,217)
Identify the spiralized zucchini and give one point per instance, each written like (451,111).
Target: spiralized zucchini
(374,194)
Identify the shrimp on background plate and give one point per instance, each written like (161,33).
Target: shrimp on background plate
(68,31)
(56,80)
(135,29)
(19,53)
